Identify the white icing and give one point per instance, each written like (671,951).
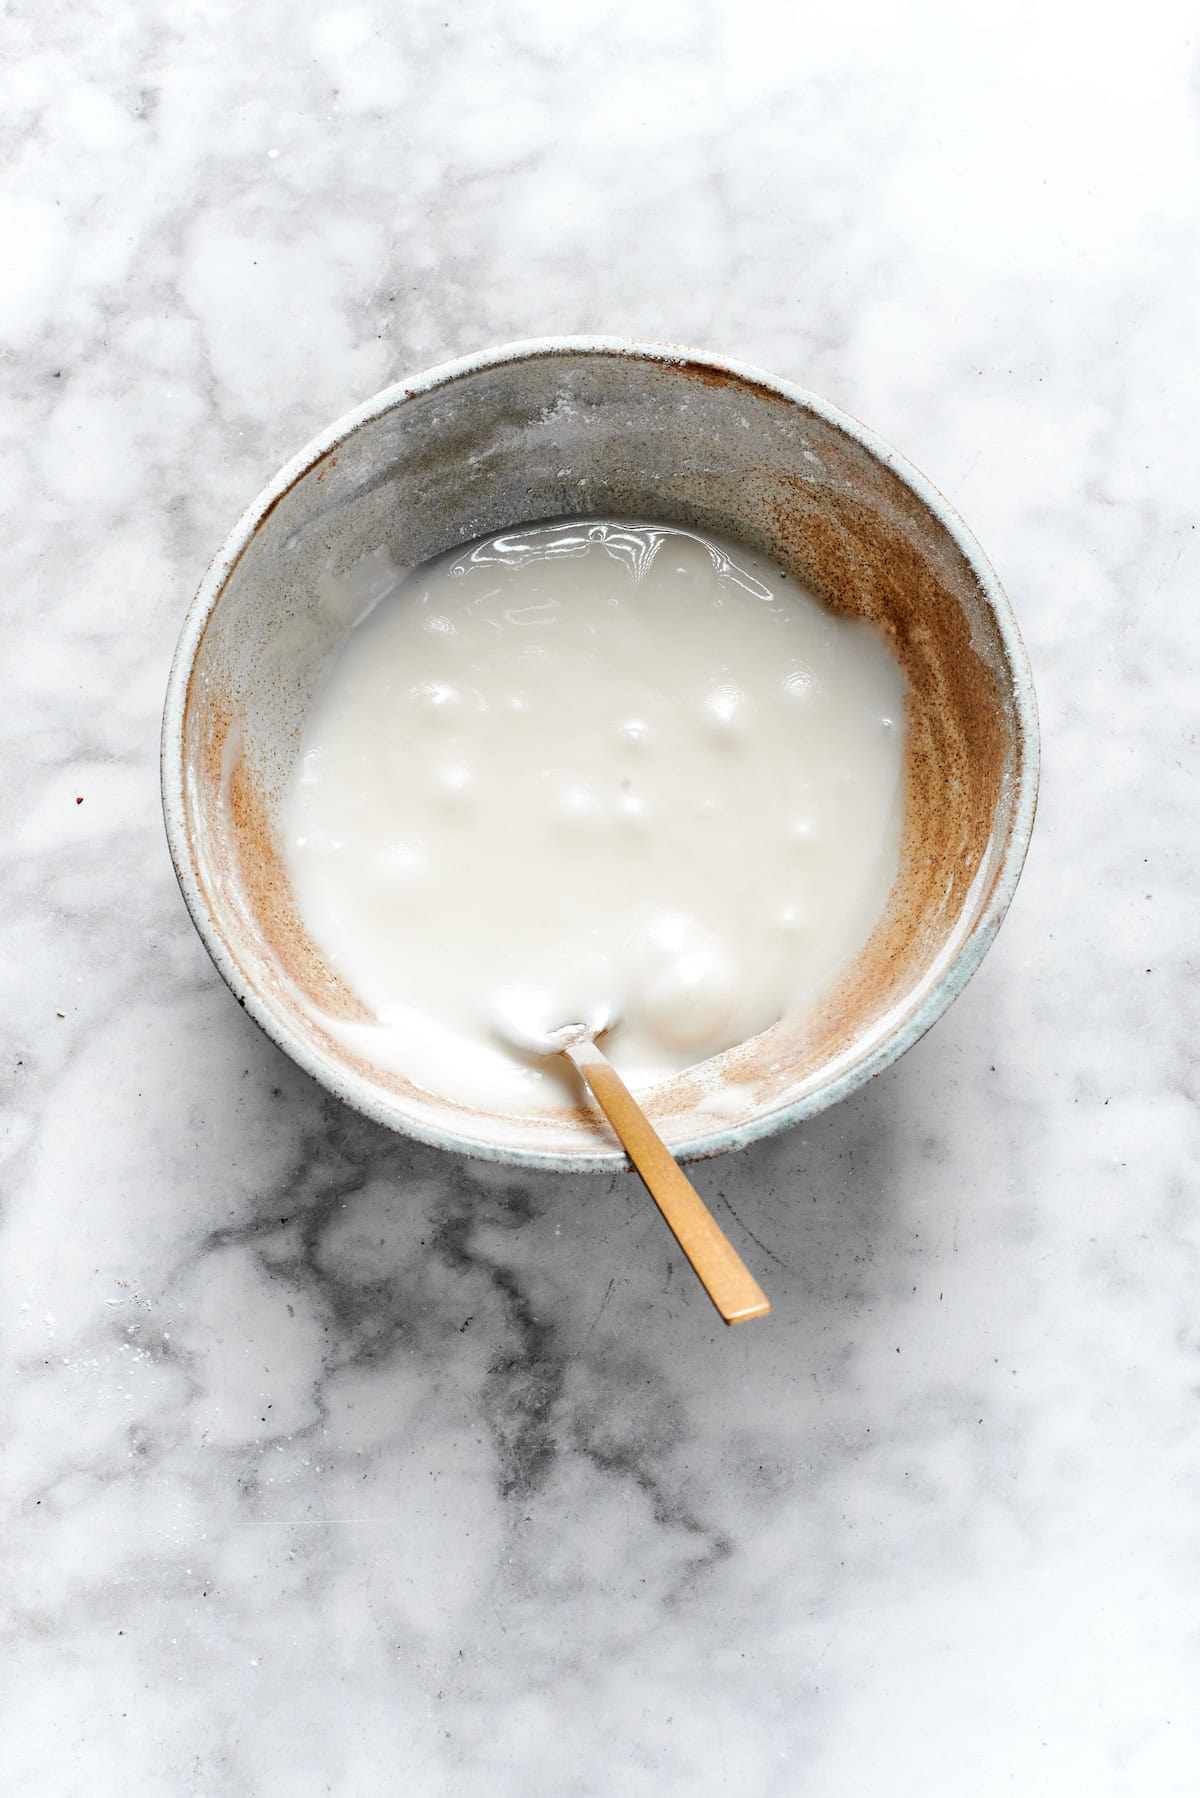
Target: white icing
(605,765)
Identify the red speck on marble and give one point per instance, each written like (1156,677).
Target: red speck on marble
(79,798)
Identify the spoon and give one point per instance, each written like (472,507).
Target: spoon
(721,1271)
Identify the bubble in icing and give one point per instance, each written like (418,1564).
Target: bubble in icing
(401,864)
(727,712)
(800,684)
(454,784)
(438,699)
(577,807)
(691,999)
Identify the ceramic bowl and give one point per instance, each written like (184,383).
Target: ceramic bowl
(586,426)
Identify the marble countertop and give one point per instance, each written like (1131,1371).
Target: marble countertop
(331,1465)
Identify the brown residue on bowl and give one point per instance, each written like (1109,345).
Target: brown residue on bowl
(239,864)
(957,749)
(708,375)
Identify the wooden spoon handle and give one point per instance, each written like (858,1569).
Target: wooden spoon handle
(722,1272)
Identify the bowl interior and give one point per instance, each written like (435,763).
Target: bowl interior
(632,434)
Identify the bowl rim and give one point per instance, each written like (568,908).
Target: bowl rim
(939,993)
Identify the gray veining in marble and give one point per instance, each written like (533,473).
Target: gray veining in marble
(331,1466)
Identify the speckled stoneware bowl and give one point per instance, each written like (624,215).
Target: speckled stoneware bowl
(573,426)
